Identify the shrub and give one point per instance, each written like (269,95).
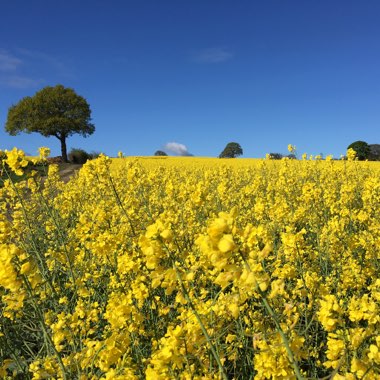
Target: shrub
(94,155)
(78,156)
(160,153)
(275,156)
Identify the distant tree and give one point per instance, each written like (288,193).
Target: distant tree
(160,153)
(275,156)
(231,150)
(361,148)
(374,152)
(53,111)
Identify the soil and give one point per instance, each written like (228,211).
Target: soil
(67,170)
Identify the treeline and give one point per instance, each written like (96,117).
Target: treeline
(365,151)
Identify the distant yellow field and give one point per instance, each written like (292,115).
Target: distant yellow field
(236,162)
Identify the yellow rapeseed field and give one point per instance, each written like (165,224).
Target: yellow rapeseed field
(191,268)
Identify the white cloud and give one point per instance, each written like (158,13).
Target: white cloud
(177,148)
(212,55)
(8,62)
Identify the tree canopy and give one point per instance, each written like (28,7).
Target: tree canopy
(53,111)
(361,148)
(374,152)
(160,153)
(231,150)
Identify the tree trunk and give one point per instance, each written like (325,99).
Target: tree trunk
(63,148)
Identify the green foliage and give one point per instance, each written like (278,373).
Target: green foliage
(374,154)
(94,154)
(79,156)
(53,111)
(160,153)
(231,150)
(361,148)
(275,156)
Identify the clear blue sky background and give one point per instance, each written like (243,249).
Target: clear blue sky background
(199,72)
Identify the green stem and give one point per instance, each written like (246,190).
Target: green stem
(204,331)
(284,338)
(43,327)
(34,244)
(62,238)
(13,355)
(118,201)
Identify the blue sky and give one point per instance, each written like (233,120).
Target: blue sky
(200,73)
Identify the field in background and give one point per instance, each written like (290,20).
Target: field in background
(192,268)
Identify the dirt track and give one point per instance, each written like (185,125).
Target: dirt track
(66,171)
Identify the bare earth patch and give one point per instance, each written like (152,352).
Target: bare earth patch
(67,170)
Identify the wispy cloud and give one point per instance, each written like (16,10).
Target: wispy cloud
(177,148)
(23,68)
(39,57)
(20,82)
(8,62)
(212,55)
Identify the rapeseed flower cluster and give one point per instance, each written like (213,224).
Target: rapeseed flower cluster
(190,268)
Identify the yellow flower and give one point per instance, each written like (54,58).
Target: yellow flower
(351,154)
(16,161)
(8,273)
(226,243)
(187,267)
(43,152)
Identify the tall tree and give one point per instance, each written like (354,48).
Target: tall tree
(53,111)
(231,150)
(361,148)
